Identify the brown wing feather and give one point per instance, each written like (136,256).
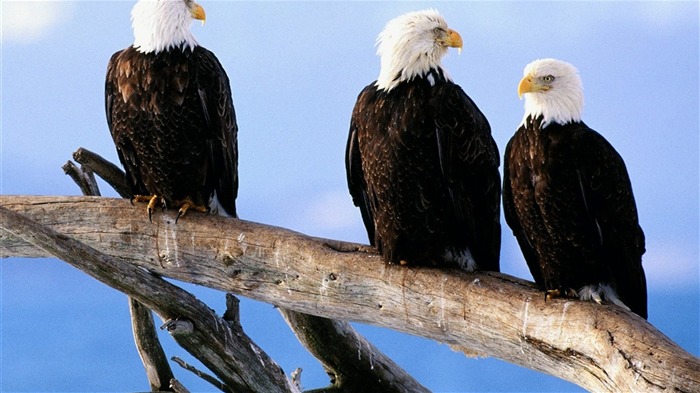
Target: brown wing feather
(117,113)
(353,166)
(607,191)
(469,161)
(222,143)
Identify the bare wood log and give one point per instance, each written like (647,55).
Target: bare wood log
(206,336)
(150,351)
(599,347)
(389,377)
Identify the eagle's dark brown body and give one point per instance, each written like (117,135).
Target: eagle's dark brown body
(423,169)
(172,119)
(568,199)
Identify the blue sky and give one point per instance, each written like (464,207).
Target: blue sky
(296,69)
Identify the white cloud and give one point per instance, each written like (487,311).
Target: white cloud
(664,15)
(28,21)
(669,267)
(332,210)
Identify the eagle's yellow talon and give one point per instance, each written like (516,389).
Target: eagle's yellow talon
(186,205)
(560,293)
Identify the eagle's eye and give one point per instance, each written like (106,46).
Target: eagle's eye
(548,78)
(438,31)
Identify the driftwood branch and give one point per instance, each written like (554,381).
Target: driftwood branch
(348,358)
(345,376)
(85,179)
(212,380)
(193,325)
(599,347)
(94,163)
(152,355)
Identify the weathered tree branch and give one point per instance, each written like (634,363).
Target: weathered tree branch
(109,172)
(193,325)
(215,382)
(346,356)
(345,376)
(85,179)
(153,357)
(601,348)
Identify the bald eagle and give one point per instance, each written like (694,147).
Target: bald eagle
(170,113)
(420,160)
(568,198)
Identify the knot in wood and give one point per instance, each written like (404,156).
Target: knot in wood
(178,326)
(229,258)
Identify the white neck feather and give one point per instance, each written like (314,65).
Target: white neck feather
(407,48)
(161,25)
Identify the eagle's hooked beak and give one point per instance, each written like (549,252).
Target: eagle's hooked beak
(454,40)
(198,12)
(525,86)
(530,84)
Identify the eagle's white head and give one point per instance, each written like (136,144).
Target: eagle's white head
(411,45)
(164,24)
(553,89)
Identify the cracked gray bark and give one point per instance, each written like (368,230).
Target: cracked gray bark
(345,377)
(599,347)
(231,355)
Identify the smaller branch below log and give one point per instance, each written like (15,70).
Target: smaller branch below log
(232,314)
(353,363)
(150,351)
(178,387)
(152,355)
(201,374)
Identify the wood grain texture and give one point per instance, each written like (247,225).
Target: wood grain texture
(601,348)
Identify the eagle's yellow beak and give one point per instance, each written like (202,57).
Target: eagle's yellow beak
(525,86)
(454,40)
(198,12)
(529,84)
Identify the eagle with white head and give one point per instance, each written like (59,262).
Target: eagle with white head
(170,112)
(420,160)
(568,198)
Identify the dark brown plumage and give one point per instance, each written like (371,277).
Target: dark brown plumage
(568,199)
(423,169)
